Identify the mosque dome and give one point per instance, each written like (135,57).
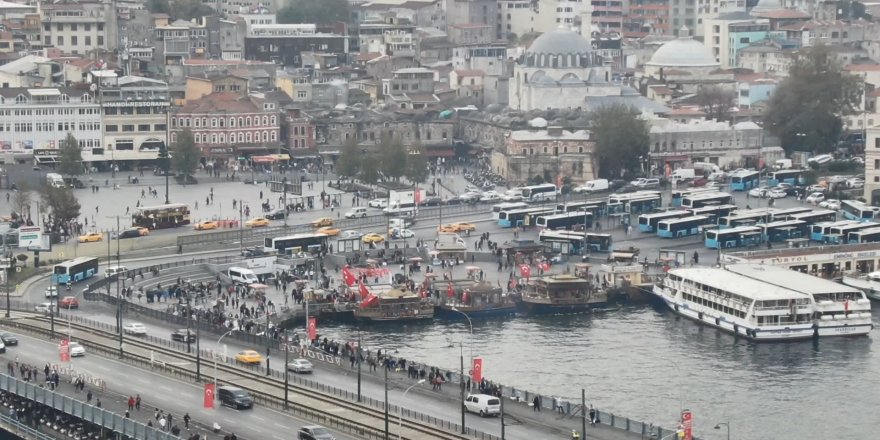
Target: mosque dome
(683,52)
(559,49)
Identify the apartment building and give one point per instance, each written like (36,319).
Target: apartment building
(79,27)
(135,116)
(40,119)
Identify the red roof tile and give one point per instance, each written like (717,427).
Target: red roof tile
(221,103)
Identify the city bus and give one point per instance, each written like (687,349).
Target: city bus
(700,200)
(856,210)
(648,222)
(508,206)
(572,243)
(817,216)
(539,193)
(783,230)
(638,202)
(596,207)
(679,194)
(742,236)
(820,231)
(783,214)
(307,242)
(714,212)
(517,217)
(791,177)
(839,234)
(161,216)
(681,227)
(744,180)
(870,235)
(744,218)
(75,270)
(565,220)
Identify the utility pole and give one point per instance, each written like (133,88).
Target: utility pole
(286,371)
(240,226)
(461,384)
(502,413)
(358,354)
(583,413)
(384,367)
(188,318)
(198,347)
(164,159)
(268,338)
(118,294)
(284,191)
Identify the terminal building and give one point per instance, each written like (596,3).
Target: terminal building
(821,261)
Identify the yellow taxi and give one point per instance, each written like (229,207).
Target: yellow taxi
(258,222)
(142,231)
(90,237)
(204,226)
(458,227)
(323,221)
(372,237)
(329,230)
(248,357)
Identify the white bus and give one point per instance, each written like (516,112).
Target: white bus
(539,193)
(858,211)
(508,206)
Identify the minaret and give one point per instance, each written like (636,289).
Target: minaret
(586,30)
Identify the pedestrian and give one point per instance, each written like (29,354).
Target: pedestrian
(130,403)
(137,402)
(127,414)
(89,397)
(98,402)
(162,423)
(536,404)
(593,418)
(186,420)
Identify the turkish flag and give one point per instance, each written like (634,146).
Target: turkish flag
(477,370)
(209,396)
(347,276)
(313,328)
(559,180)
(417,197)
(450,291)
(525,270)
(65,350)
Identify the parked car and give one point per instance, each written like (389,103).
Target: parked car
(776,193)
(471,196)
(314,432)
(815,188)
(69,302)
(127,233)
(301,366)
(378,203)
(8,338)
(204,226)
(855,182)
(431,201)
(815,198)
(135,328)
(402,233)
(351,234)
(44,308)
(830,204)
(183,335)
(490,196)
(90,237)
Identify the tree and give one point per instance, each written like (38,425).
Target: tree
(806,110)
(158,6)
(621,138)
(189,9)
(185,154)
(416,165)
(70,157)
(62,204)
(22,199)
(349,160)
(716,102)
(393,155)
(314,11)
(369,170)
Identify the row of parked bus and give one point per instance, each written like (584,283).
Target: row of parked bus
(582,213)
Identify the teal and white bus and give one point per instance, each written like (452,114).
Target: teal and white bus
(596,207)
(820,231)
(856,210)
(75,270)
(816,216)
(648,222)
(508,206)
(784,214)
(572,243)
(791,177)
(565,220)
(870,235)
(783,230)
(700,200)
(714,212)
(539,193)
(682,227)
(839,234)
(521,217)
(744,180)
(679,194)
(742,236)
(745,218)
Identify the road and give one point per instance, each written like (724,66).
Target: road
(159,392)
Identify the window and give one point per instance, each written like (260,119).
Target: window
(88,40)
(213,122)
(240,121)
(112,128)
(302,94)
(232,122)
(273,120)
(877,164)
(47,27)
(265,120)
(249,137)
(60,40)
(143,127)
(273,136)
(73,26)
(59,27)
(198,122)
(220,88)
(100,28)
(100,40)
(88,27)
(265,136)
(159,127)
(128,127)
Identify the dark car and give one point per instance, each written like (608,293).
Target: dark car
(183,335)
(431,201)
(130,233)
(454,201)
(252,252)
(8,338)
(314,432)
(73,182)
(276,214)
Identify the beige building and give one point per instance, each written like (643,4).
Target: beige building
(79,27)
(202,85)
(872,165)
(550,153)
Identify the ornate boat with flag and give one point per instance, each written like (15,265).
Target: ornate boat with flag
(384,303)
(474,299)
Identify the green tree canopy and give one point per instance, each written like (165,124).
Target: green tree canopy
(62,204)
(369,170)
(716,102)
(348,163)
(22,199)
(185,154)
(70,157)
(393,156)
(314,11)
(416,165)
(621,138)
(806,109)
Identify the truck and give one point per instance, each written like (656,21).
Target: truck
(55,180)
(782,164)
(683,174)
(404,202)
(592,186)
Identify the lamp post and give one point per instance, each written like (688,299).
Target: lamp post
(358,359)
(461,372)
(726,426)
(286,371)
(198,346)
(163,162)
(284,191)
(386,401)
(400,408)
(268,339)
(215,356)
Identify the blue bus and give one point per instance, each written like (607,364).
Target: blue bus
(744,180)
(75,270)
(518,217)
(572,243)
(648,222)
(820,231)
(783,214)
(682,227)
(870,235)
(783,230)
(596,207)
(679,194)
(715,212)
(733,237)
(791,177)
(700,200)
(817,216)
(744,218)
(565,220)
(507,206)
(839,234)
(855,210)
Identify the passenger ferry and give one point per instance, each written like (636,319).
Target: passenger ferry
(560,294)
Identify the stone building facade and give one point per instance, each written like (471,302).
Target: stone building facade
(552,153)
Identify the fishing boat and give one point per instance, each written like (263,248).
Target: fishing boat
(560,294)
(396,304)
(870,284)
(474,299)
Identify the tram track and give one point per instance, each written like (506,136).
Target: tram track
(324,408)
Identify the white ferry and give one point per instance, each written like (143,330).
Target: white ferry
(737,304)
(838,310)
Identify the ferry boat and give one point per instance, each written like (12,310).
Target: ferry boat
(870,284)
(560,294)
(474,299)
(394,305)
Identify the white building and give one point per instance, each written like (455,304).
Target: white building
(135,117)
(39,119)
(675,144)
(79,27)
(872,165)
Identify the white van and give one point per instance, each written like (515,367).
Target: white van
(240,275)
(113,270)
(483,404)
(55,180)
(358,211)
(592,186)
(683,174)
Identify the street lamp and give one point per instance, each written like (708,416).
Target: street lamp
(215,357)
(461,372)
(163,163)
(726,426)
(400,407)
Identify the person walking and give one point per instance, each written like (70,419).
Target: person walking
(536,404)
(89,397)
(137,402)
(130,403)
(186,419)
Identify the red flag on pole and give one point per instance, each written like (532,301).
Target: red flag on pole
(348,277)
(450,291)
(477,370)
(687,422)
(559,180)
(209,396)
(525,270)
(313,328)
(65,350)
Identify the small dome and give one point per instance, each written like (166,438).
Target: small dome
(683,52)
(538,122)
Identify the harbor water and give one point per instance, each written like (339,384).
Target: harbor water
(646,364)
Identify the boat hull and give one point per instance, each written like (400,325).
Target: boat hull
(534,308)
(445,312)
(871,288)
